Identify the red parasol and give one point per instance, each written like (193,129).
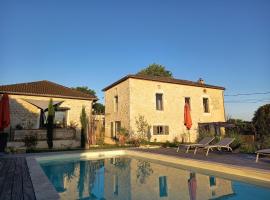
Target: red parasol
(4,112)
(187,116)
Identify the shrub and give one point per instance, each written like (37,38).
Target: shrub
(237,138)
(204,133)
(30,141)
(247,148)
(50,124)
(135,142)
(19,127)
(143,128)
(100,140)
(166,144)
(261,121)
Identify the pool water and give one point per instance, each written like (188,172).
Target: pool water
(126,178)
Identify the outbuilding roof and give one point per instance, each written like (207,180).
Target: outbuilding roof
(164,80)
(45,88)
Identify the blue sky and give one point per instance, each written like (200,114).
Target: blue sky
(94,43)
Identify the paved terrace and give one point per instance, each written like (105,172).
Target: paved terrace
(238,159)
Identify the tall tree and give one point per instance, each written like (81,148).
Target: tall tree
(99,108)
(50,124)
(85,89)
(84,123)
(261,121)
(156,70)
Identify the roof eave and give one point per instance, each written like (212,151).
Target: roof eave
(48,95)
(144,78)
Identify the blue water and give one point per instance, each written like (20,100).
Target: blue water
(129,178)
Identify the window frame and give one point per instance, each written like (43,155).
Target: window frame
(116,103)
(206,107)
(159,102)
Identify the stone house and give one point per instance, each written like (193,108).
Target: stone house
(29,105)
(161,101)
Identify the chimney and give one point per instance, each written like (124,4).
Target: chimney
(201,81)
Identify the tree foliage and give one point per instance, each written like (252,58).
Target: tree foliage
(143,128)
(261,121)
(155,70)
(50,124)
(85,90)
(99,108)
(84,123)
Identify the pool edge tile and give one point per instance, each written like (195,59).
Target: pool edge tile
(43,188)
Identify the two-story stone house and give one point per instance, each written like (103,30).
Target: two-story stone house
(161,101)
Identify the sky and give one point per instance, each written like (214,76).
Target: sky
(94,43)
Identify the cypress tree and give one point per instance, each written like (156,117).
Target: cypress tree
(84,123)
(50,124)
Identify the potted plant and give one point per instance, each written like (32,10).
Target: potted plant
(122,136)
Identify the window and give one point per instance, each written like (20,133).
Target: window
(60,118)
(187,100)
(159,101)
(163,186)
(116,104)
(206,105)
(161,130)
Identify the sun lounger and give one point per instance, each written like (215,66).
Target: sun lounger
(222,144)
(204,142)
(262,152)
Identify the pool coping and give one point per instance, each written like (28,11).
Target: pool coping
(44,189)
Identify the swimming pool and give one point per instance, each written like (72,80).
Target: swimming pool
(125,177)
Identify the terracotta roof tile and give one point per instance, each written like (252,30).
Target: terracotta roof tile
(164,80)
(45,88)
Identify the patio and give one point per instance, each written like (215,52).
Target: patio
(238,159)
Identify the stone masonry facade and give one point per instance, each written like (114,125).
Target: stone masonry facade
(27,115)
(138,97)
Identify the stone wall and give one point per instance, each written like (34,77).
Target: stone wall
(27,115)
(62,138)
(138,98)
(123,115)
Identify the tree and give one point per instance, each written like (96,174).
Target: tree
(261,121)
(156,70)
(99,108)
(50,124)
(85,90)
(143,128)
(84,123)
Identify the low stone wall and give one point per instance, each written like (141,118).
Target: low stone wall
(58,134)
(62,138)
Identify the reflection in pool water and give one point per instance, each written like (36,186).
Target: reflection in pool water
(129,178)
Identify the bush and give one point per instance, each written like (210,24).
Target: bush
(100,140)
(237,138)
(204,133)
(30,141)
(261,121)
(134,142)
(247,148)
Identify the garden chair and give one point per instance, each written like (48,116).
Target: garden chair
(222,144)
(262,152)
(204,142)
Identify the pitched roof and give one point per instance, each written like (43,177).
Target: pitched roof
(45,88)
(164,80)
